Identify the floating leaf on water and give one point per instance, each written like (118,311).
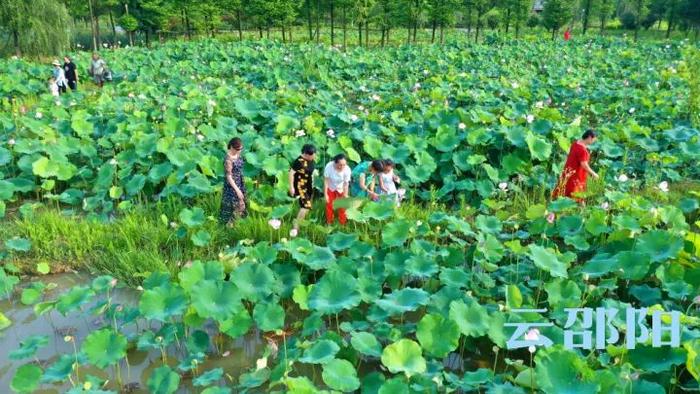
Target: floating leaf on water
(18,244)
(26,379)
(321,351)
(335,292)
(340,375)
(269,316)
(208,377)
(163,380)
(104,347)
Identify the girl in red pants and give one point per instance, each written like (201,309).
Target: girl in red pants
(336,183)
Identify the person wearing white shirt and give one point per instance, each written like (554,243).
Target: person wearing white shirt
(60,76)
(336,184)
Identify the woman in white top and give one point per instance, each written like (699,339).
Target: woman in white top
(336,184)
(60,76)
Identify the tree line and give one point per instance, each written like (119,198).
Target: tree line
(35,25)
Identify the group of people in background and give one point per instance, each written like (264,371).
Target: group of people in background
(373,180)
(65,75)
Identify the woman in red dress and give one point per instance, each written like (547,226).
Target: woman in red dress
(576,170)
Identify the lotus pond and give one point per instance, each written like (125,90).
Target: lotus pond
(415,299)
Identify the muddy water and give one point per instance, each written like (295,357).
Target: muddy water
(240,354)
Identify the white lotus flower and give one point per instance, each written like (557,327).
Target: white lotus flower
(361,107)
(461,126)
(515,85)
(353,118)
(72,103)
(300,133)
(530,118)
(539,104)
(622,178)
(212,103)
(293,233)
(503,186)
(275,223)
(261,363)
(363,88)
(58,103)
(375,97)
(605,205)
(426,72)
(419,223)
(668,46)
(200,137)
(39,115)
(113,162)
(416,86)
(173,224)
(142,96)
(139,288)
(626,82)
(330,133)
(104,44)
(11,142)
(663,186)
(631,110)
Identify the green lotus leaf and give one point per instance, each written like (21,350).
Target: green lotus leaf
(366,343)
(321,351)
(659,245)
(341,241)
(336,291)
(163,380)
(198,271)
(540,149)
(445,139)
(216,300)
(201,238)
(255,282)
(208,377)
(254,379)
(74,299)
(237,325)
(471,318)
(372,382)
(633,265)
(7,190)
(656,359)
(404,300)
(192,217)
(29,346)
(563,293)
(396,233)
(548,261)
(300,385)
(269,316)
(4,321)
(26,379)
(560,371)
(404,356)
(340,375)
(437,335)
(60,370)
(163,303)
(18,244)
(104,347)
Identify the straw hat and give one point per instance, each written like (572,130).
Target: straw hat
(56,63)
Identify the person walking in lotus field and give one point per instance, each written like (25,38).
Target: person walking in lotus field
(301,182)
(233,199)
(364,179)
(336,184)
(576,170)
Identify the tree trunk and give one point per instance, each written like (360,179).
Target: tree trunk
(586,15)
(308,19)
(332,24)
(602,23)
(359,33)
(148,37)
(469,20)
(387,36)
(415,29)
(478,24)
(268,32)
(507,20)
(15,41)
(344,29)
(432,36)
(318,21)
(639,19)
(367,32)
(442,33)
(187,24)
(114,28)
(284,39)
(260,30)
(240,30)
(92,26)
(97,31)
(554,32)
(291,28)
(671,20)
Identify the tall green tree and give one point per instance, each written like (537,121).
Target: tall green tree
(413,10)
(640,10)
(590,7)
(35,27)
(481,7)
(605,10)
(556,13)
(442,13)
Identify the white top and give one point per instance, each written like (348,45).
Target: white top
(54,89)
(388,182)
(336,180)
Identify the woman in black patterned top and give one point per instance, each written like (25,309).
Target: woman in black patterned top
(301,182)
(233,201)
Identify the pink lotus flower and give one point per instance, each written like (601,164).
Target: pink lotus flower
(293,232)
(550,218)
(532,335)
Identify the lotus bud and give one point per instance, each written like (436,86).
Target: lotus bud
(550,218)
(284,240)
(87,386)
(532,349)
(68,338)
(495,349)
(275,223)
(293,233)
(113,282)
(11,142)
